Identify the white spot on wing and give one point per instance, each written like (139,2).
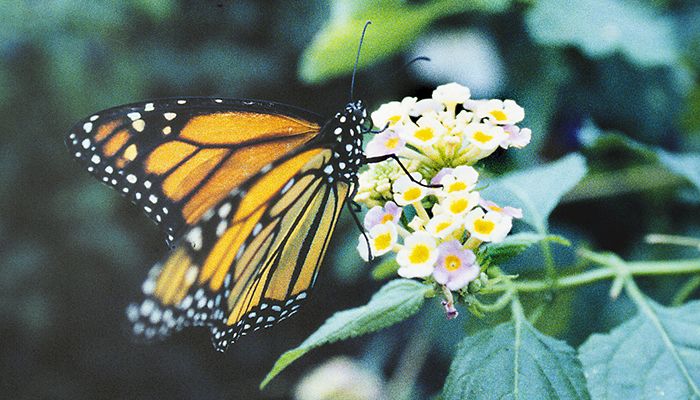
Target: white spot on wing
(194,237)
(169,116)
(87,127)
(287,186)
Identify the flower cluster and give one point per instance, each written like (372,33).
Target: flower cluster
(435,219)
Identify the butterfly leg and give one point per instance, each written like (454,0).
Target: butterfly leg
(372,160)
(379,131)
(355,208)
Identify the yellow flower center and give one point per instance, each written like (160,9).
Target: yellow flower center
(394,119)
(452,263)
(442,226)
(484,227)
(383,241)
(419,254)
(499,115)
(456,187)
(482,137)
(458,206)
(496,208)
(412,194)
(392,143)
(424,134)
(387,218)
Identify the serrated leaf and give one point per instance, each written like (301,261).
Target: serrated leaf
(394,302)
(518,243)
(601,27)
(514,361)
(537,190)
(395,25)
(647,357)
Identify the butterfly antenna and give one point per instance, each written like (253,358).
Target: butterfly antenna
(357,59)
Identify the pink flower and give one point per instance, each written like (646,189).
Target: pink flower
(517,137)
(387,142)
(509,211)
(456,266)
(379,215)
(443,172)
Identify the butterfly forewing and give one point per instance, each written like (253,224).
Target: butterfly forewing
(249,191)
(177,158)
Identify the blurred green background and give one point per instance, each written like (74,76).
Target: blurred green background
(73,253)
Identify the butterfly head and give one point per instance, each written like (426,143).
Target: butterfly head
(356,112)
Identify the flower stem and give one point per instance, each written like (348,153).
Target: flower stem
(675,267)
(686,290)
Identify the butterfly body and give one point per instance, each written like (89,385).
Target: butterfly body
(248,192)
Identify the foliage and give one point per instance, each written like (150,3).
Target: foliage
(396,301)
(514,359)
(668,366)
(611,91)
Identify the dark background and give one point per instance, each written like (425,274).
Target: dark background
(73,253)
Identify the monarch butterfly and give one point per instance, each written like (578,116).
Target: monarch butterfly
(247,193)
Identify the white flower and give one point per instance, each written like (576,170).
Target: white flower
(425,107)
(451,94)
(407,192)
(485,136)
(418,255)
(488,227)
(426,131)
(458,203)
(501,112)
(417,224)
(443,225)
(382,239)
(462,178)
(393,112)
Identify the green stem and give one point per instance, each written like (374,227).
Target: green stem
(499,304)
(635,268)
(686,290)
(657,238)
(518,317)
(550,267)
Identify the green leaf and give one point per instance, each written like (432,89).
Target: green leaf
(686,165)
(602,27)
(538,190)
(653,355)
(514,361)
(518,243)
(393,303)
(395,25)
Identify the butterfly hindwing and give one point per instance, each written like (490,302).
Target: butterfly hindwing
(177,158)
(250,261)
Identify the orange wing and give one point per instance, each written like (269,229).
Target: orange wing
(177,158)
(251,261)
